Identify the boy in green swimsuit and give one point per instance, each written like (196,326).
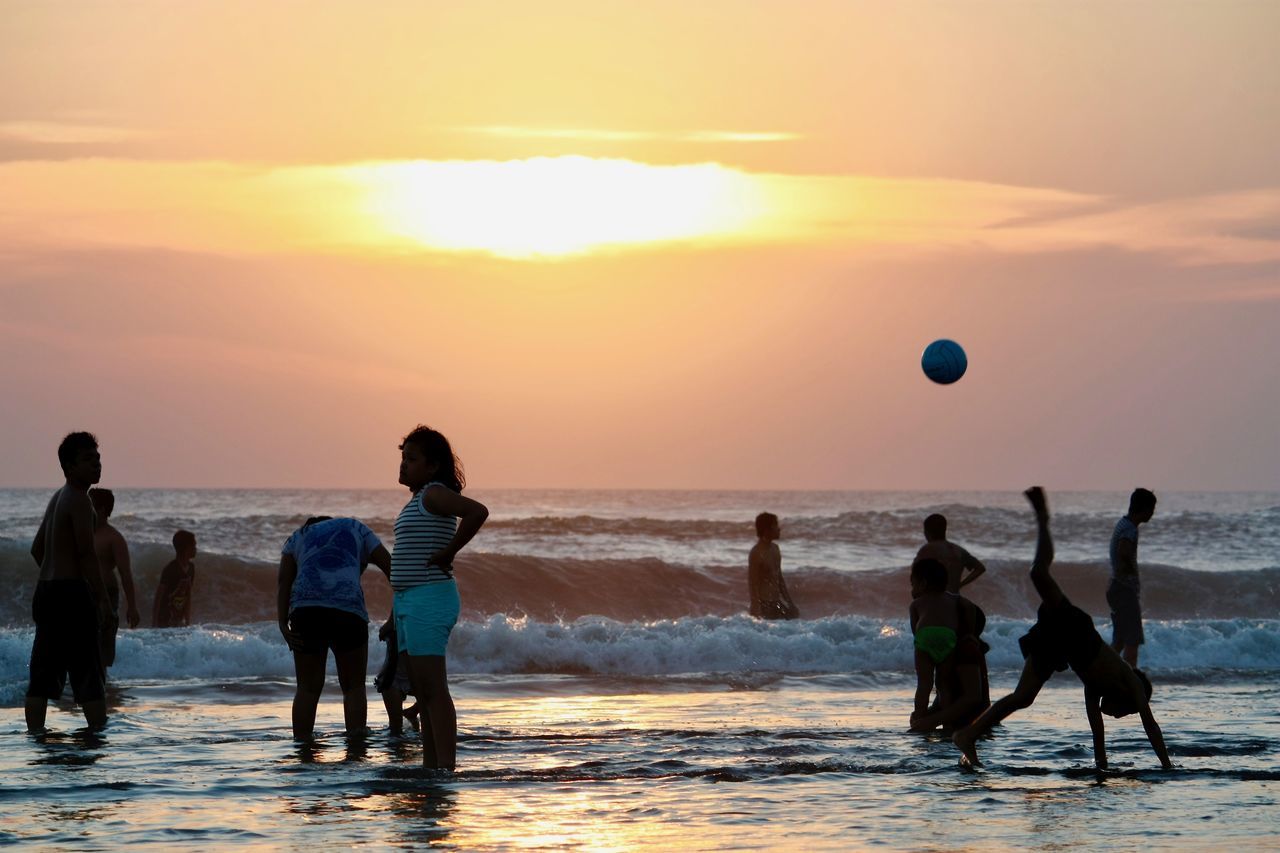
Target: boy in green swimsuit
(935,623)
(948,652)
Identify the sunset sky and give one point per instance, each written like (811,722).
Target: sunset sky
(643,245)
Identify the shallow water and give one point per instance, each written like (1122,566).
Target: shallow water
(696,761)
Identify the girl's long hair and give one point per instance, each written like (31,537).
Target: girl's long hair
(436,448)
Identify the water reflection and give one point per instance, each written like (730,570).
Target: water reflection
(82,748)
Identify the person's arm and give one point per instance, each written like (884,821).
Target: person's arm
(162,592)
(191,590)
(284,589)
(1154,735)
(164,595)
(120,550)
(381,558)
(471,516)
(784,595)
(1127,558)
(37,544)
(755,582)
(1092,708)
(913,613)
(974,566)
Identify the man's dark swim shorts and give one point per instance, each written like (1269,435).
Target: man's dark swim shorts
(66,641)
(1126,615)
(1062,636)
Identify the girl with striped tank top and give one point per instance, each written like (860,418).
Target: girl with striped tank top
(430,531)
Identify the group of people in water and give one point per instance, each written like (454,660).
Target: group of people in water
(946,628)
(320,602)
(321,609)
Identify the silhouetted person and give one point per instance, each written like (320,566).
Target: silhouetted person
(117,573)
(948,653)
(70,601)
(430,531)
(957,562)
(172,608)
(768,591)
(1063,636)
(955,559)
(320,606)
(1124,593)
(393,683)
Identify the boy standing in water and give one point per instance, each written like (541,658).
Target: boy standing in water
(113,556)
(172,607)
(1124,591)
(70,601)
(769,596)
(1064,636)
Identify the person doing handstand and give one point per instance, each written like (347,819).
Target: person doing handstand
(1064,635)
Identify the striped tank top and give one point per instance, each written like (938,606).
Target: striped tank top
(419,534)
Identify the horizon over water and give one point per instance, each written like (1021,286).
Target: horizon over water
(612,693)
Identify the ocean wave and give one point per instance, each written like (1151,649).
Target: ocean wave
(737,647)
(235,590)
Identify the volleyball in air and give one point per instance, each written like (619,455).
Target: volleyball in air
(944,361)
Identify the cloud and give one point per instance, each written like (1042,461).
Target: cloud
(65,133)
(599,135)
(554,206)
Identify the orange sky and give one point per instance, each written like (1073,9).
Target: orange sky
(643,245)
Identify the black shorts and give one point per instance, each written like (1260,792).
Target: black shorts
(324,628)
(1062,637)
(1126,615)
(66,642)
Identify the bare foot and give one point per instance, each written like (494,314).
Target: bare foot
(967,747)
(411,714)
(1039,503)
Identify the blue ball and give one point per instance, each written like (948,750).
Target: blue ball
(944,361)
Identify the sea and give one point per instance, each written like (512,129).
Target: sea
(613,693)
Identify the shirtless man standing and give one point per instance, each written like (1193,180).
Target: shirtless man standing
(113,556)
(769,596)
(956,559)
(70,600)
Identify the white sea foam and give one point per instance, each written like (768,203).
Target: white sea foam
(735,645)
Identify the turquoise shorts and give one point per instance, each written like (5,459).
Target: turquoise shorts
(425,614)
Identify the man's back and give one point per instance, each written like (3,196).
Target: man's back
(954,558)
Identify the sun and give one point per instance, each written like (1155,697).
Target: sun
(555,206)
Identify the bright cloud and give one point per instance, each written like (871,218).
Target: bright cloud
(558,206)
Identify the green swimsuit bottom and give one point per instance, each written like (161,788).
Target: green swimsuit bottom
(937,641)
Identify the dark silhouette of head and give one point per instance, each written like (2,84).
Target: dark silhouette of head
(72,446)
(316,519)
(183,541)
(1122,705)
(766,523)
(935,527)
(104,502)
(928,575)
(1142,505)
(435,447)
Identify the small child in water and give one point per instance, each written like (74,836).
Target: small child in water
(393,683)
(935,626)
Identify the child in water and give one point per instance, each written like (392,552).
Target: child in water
(393,683)
(172,607)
